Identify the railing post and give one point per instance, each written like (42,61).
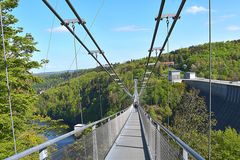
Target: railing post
(95,149)
(43,154)
(149,129)
(116,124)
(185,154)
(158,129)
(120,119)
(156,132)
(109,132)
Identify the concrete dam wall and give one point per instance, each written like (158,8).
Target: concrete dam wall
(225,101)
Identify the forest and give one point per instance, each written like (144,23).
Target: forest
(58,96)
(172,104)
(225,59)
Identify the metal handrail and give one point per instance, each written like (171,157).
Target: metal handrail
(175,138)
(57,139)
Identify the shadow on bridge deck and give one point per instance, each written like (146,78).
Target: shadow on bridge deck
(130,144)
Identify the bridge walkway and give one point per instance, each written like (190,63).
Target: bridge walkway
(130,144)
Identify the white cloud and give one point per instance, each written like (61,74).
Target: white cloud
(130,28)
(228,16)
(196,9)
(233,28)
(58,29)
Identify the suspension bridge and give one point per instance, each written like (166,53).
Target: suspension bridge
(131,133)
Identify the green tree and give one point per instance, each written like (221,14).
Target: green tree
(226,144)
(190,121)
(191,114)
(19,49)
(225,59)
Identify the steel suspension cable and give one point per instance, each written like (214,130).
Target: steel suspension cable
(92,38)
(50,38)
(91,25)
(167,22)
(75,54)
(7,83)
(210,78)
(83,45)
(167,37)
(63,23)
(154,35)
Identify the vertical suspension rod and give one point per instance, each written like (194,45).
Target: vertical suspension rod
(7,83)
(210,79)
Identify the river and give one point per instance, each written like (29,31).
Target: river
(51,134)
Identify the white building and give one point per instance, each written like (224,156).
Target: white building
(174,76)
(189,75)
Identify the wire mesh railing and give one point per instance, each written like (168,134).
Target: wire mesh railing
(92,141)
(82,149)
(162,143)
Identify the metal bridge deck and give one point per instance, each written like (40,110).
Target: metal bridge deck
(130,144)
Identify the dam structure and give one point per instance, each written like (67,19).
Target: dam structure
(225,100)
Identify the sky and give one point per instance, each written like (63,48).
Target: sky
(123,29)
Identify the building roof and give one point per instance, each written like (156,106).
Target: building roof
(190,72)
(175,71)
